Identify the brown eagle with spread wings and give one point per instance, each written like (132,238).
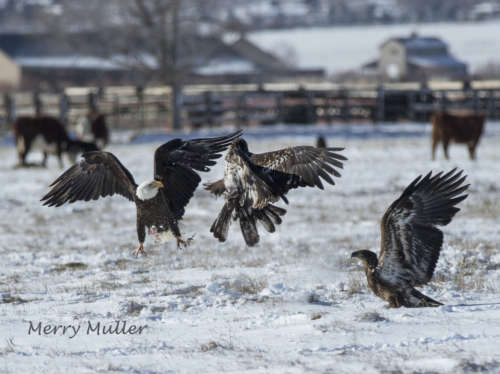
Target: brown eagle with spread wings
(252,182)
(411,243)
(160,202)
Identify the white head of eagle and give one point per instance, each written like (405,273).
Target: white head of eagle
(148,190)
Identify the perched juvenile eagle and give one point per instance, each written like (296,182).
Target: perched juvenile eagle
(411,243)
(101,174)
(253,181)
(320,142)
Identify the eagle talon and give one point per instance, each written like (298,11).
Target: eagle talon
(181,243)
(140,250)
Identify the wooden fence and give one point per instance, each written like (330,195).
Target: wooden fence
(137,108)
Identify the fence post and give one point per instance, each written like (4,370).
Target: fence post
(208,101)
(346,111)
(279,108)
(116,111)
(443,100)
(37,103)
(10,107)
(411,105)
(326,107)
(311,113)
(491,104)
(92,102)
(64,108)
(100,92)
(139,92)
(380,116)
(242,110)
(475,100)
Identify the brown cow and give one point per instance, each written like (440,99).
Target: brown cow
(463,127)
(48,135)
(100,131)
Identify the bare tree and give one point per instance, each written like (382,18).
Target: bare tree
(158,40)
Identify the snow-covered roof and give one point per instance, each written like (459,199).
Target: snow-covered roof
(117,62)
(445,61)
(417,42)
(73,62)
(226,66)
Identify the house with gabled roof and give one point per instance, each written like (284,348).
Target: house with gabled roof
(416,58)
(46,62)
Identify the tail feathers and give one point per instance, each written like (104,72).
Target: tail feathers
(220,227)
(269,216)
(248,217)
(262,217)
(248,227)
(424,301)
(275,213)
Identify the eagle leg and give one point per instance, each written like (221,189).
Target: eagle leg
(140,250)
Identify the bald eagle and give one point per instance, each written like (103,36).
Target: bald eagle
(411,243)
(252,182)
(101,174)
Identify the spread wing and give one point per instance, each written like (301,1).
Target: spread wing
(176,162)
(99,174)
(410,241)
(300,166)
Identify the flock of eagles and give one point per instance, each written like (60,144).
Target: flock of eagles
(252,183)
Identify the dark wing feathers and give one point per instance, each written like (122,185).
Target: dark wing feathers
(99,174)
(410,241)
(299,167)
(197,154)
(180,184)
(176,160)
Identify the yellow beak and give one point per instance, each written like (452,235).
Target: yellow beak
(158,184)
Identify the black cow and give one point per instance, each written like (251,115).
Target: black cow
(48,135)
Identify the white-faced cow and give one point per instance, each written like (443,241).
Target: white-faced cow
(48,135)
(465,127)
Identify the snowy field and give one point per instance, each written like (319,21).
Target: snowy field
(294,303)
(344,48)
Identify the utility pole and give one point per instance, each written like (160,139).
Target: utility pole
(176,73)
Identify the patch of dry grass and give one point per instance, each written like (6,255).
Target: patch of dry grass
(245,285)
(70,266)
(213,345)
(133,308)
(9,299)
(371,317)
(470,274)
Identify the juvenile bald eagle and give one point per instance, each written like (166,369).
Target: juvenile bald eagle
(252,182)
(411,243)
(101,174)
(320,142)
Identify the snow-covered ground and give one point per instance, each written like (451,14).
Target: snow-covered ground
(344,48)
(294,303)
